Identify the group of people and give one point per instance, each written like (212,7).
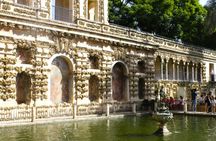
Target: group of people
(208,100)
(173,104)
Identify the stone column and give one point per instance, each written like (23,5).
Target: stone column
(105,11)
(162,61)
(177,63)
(174,70)
(81,9)
(192,72)
(166,69)
(187,65)
(195,77)
(201,73)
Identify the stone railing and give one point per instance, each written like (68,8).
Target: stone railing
(23,10)
(131,34)
(32,113)
(15,113)
(54,111)
(120,107)
(89,109)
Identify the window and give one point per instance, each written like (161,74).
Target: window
(94,62)
(24,56)
(25,2)
(92,10)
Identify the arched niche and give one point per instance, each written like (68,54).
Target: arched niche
(141,88)
(94,88)
(23,88)
(119,82)
(61,80)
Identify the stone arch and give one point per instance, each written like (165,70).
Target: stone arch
(23,88)
(61,80)
(158,68)
(93,10)
(120,82)
(141,88)
(93,88)
(170,69)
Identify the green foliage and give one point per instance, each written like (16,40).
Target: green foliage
(210,25)
(176,19)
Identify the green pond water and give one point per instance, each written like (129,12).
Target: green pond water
(183,128)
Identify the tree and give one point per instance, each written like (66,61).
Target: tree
(176,19)
(210,24)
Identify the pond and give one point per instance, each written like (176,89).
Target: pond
(183,128)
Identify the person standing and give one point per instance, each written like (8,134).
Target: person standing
(194,99)
(208,103)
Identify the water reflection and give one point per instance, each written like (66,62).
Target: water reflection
(188,128)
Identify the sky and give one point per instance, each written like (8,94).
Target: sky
(203,2)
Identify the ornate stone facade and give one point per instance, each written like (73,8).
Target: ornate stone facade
(66,52)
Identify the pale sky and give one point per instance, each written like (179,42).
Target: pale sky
(203,2)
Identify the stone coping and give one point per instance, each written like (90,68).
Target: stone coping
(92,117)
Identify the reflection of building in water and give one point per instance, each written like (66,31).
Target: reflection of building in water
(64,52)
